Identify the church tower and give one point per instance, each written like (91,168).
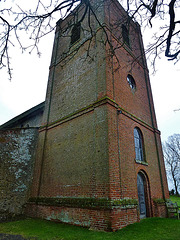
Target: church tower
(99,160)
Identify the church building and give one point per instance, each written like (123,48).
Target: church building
(97,159)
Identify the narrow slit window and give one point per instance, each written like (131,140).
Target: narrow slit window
(125,35)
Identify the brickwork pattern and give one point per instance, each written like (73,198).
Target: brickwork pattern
(86,143)
(100,219)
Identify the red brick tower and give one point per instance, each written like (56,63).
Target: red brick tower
(99,160)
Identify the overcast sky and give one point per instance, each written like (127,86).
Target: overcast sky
(30,75)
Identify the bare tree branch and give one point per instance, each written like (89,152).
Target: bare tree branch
(40,22)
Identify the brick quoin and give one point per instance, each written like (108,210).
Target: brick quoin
(86,169)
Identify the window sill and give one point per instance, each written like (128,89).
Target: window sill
(141,162)
(74,43)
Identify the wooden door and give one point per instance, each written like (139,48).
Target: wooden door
(141,196)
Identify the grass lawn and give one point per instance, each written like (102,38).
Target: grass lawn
(175,199)
(147,229)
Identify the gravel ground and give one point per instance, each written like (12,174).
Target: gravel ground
(4,236)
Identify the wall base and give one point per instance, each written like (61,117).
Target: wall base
(97,219)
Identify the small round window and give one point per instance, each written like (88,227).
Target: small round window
(131,82)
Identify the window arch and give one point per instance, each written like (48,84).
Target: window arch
(138,141)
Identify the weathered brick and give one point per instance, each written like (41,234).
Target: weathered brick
(86,143)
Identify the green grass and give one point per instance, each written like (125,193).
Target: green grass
(147,229)
(175,199)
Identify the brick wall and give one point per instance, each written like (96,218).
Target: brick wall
(86,144)
(91,213)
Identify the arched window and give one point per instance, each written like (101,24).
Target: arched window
(75,34)
(138,141)
(125,34)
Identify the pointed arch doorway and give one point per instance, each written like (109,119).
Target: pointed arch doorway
(142,195)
